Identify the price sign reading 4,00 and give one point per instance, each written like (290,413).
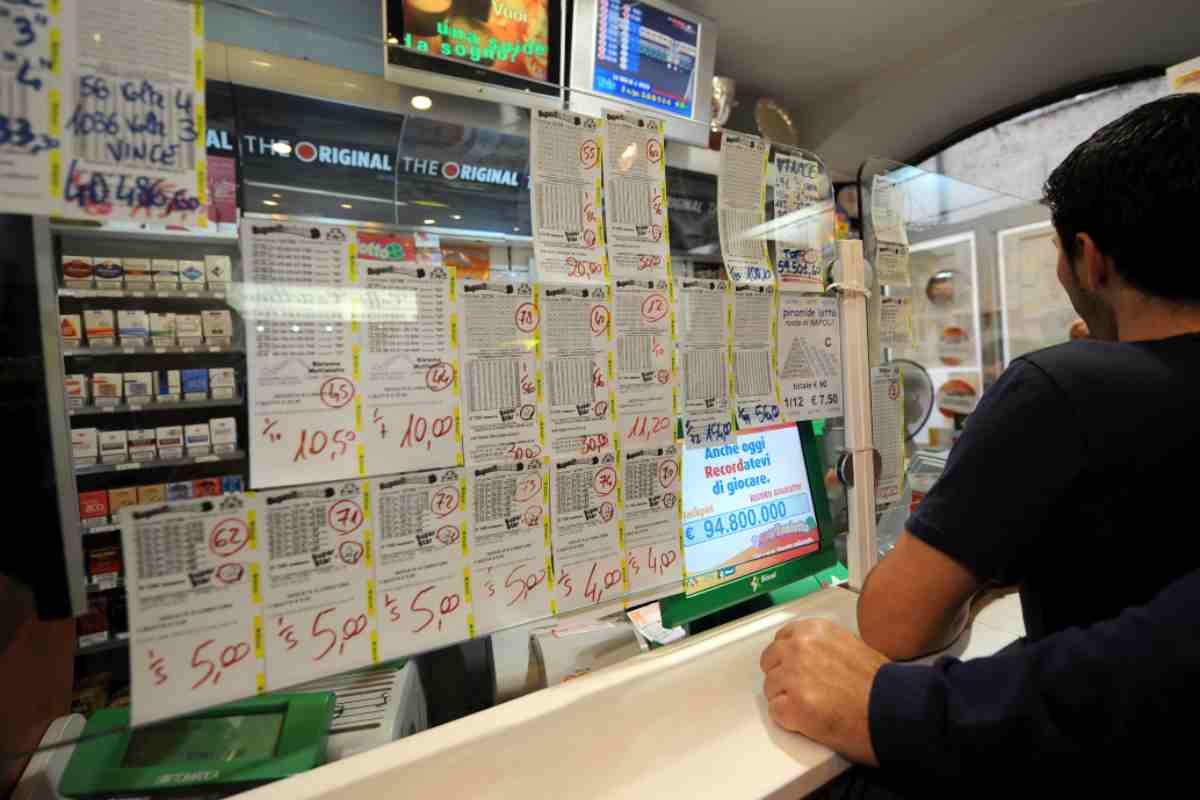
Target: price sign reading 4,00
(655,561)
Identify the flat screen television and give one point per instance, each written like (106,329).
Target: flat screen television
(505,51)
(644,55)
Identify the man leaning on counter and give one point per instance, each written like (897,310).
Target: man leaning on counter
(1070,482)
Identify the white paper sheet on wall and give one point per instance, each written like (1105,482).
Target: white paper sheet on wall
(741,200)
(577,368)
(755,385)
(584,520)
(509,530)
(302,356)
(134,113)
(37,45)
(635,197)
(647,386)
(703,318)
(804,246)
(192,580)
(500,384)
(651,511)
(565,153)
(318,569)
(419,527)
(895,321)
(887,424)
(810,357)
(409,364)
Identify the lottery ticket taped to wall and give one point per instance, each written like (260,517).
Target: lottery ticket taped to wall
(704,317)
(741,200)
(647,386)
(635,197)
(755,389)
(584,501)
(651,516)
(193,583)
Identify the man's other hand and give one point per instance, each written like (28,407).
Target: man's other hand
(1079,330)
(818,683)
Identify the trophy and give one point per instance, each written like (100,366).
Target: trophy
(723,103)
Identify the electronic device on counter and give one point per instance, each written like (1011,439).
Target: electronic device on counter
(503,51)
(225,749)
(649,56)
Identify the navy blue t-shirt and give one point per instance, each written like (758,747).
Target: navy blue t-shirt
(1075,480)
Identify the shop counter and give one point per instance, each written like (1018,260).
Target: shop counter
(687,721)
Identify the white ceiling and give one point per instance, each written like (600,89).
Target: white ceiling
(890,77)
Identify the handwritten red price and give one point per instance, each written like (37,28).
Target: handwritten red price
(645,428)
(446,606)
(588,154)
(345,516)
(521,584)
(268,432)
(599,319)
(422,431)
(228,537)
(439,377)
(524,452)
(605,481)
(319,442)
(583,269)
(337,392)
(444,502)
(226,657)
(324,632)
(158,667)
(667,472)
(596,443)
(649,262)
(527,317)
(597,586)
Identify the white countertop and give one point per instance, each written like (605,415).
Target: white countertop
(688,720)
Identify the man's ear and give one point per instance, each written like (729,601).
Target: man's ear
(1096,270)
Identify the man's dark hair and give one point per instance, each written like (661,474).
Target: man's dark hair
(1134,187)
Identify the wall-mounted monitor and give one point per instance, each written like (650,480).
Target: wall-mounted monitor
(648,55)
(505,51)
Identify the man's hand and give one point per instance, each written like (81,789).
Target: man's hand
(819,679)
(1079,330)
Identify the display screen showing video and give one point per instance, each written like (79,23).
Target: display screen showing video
(646,56)
(506,36)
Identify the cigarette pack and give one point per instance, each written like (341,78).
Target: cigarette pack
(231,484)
(119,498)
(142,444)
(169,386)
(71,326)
(77,272)
(223,431)
(107,388)
(191,275)
(114,447)
(182,490)
(195,384)
(189,330)
(153,493)
(85,448)
(166,273)
(76,387)
(223,381)
(170,442)
(162,329)
(218,327)
(92,628)
(110,273)
(139,387)
(220,271)
(198,440)
(133,327)
(93,508)
(206,487)
(139,275)
(98,322)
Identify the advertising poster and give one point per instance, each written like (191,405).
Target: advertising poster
(747,506)
(810,357)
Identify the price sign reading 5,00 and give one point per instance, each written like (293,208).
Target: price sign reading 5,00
(431,611)
(326,635)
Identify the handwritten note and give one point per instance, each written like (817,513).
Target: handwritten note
(741,200)
(635,197)
(565,151)
(421,579)
(318,618)
(755,387)
(36,40)
(584,521)
(577,367)
(647,389)
(192,582)
(410,380)
(651,517)
(806,220)
(304,373)
(509,531)
(500,380)
(133,115)
(705,316)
